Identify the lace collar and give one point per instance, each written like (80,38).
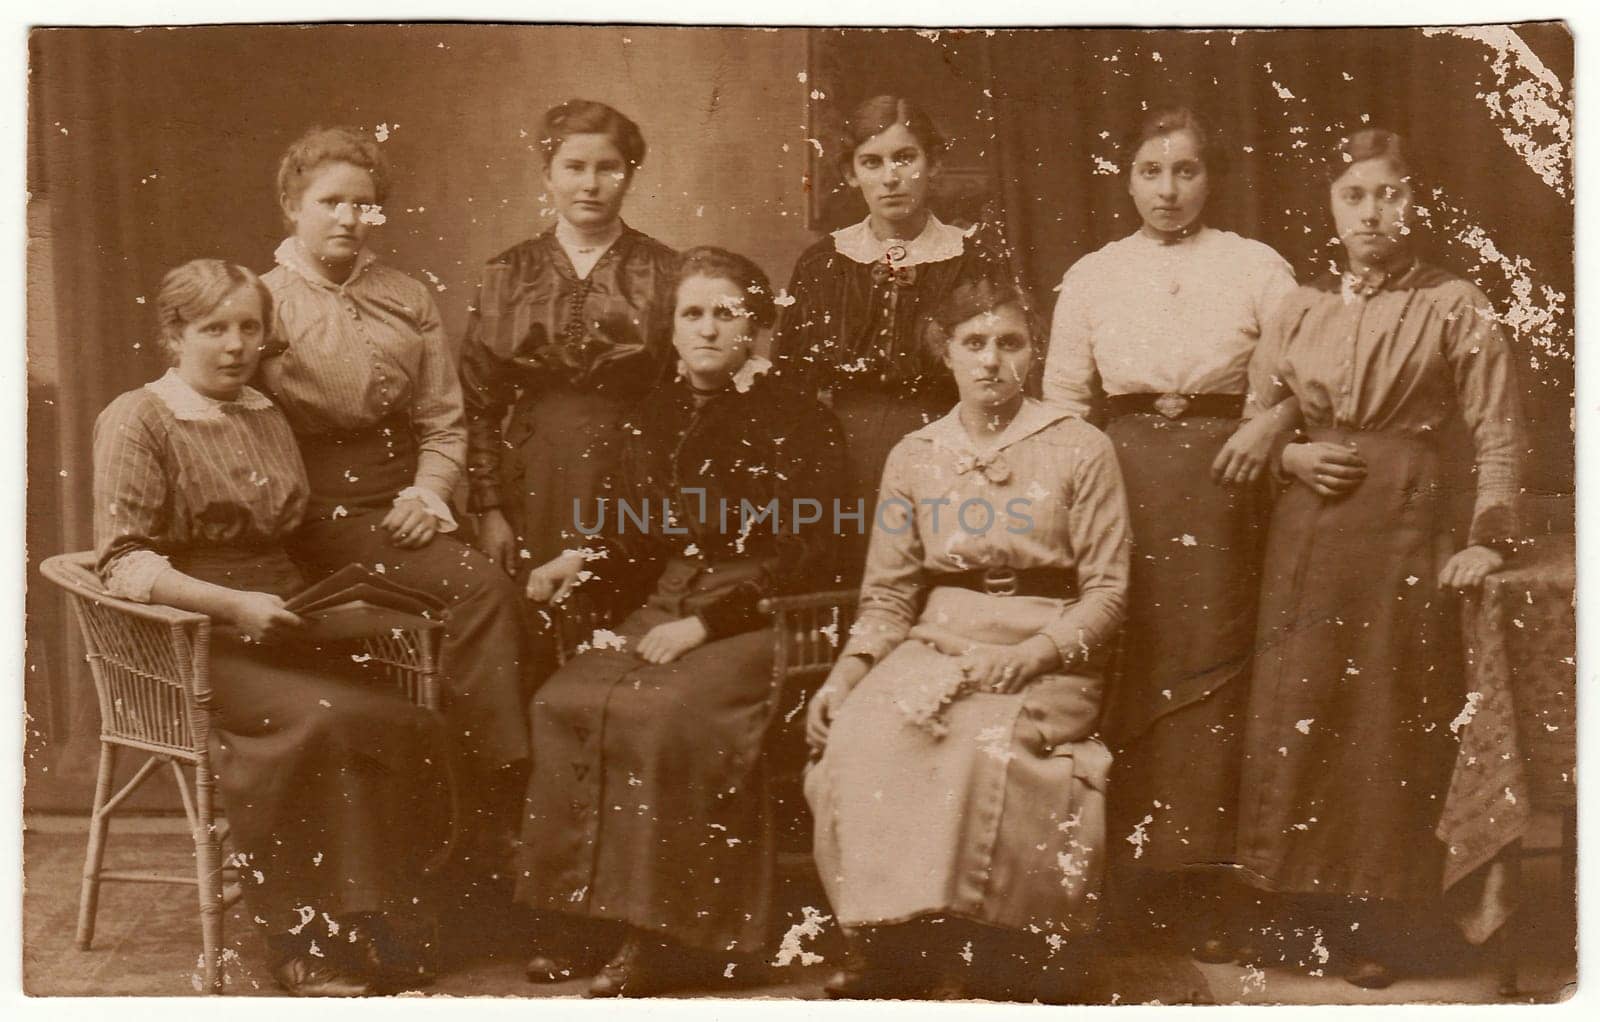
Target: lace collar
(754,366)
(937,242)
(293,255)
(190,405)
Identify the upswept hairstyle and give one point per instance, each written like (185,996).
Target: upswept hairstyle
(1366,144)
(191,291)
(588,117)
(1168,119)
(320,146)
(968,299)
(721,264)
(880,113)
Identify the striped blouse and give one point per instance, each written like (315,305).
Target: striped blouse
(175,470)
(359,352)
(1403,351)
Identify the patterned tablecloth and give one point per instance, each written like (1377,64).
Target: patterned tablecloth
(1517,729)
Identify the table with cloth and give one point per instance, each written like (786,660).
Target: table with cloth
(1517,729)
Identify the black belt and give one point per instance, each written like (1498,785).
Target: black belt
(1057,583)
(1176,406)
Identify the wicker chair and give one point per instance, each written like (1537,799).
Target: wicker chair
(151,668)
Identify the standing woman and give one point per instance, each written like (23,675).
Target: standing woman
(570,329)
(368,383)
(1163,323)
(862,294)
(1358,671)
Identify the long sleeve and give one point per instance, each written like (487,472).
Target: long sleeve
(1485,383)
(487,390)
(1097,527)
(810,466)
(436,410)
(1269,374)
(132,500)
(892,581)
(1069,369)
(794,351)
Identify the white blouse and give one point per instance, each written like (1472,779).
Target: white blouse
(1146,316)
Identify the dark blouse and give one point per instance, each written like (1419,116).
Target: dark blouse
(770,443)
(537,325)
(860,324)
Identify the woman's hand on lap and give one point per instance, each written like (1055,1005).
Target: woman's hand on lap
(410,525)
(551,581)
(825,702)
(1007,669)
(666,643)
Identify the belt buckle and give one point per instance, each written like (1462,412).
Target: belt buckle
(1172,405)
(1000,581)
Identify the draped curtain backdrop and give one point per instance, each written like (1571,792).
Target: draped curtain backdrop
(154,146)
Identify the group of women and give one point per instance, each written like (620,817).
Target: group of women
(1276,711)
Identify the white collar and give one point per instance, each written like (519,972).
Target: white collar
(948,432)
(572,240)
(190,405)
(745,378)
(937,242)
(292,254)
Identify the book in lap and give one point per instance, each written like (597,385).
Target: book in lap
(355,603)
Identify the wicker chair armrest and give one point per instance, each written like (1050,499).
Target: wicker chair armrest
(75,573)
(844,599)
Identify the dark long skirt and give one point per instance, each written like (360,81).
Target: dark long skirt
(873,421)
(1348,748)
(485,651)
(563,444)
(647,805)
(1175,708)
(334,784)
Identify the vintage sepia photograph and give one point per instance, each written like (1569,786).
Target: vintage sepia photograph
(1070,515)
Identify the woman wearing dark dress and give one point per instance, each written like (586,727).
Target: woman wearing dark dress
(569,331)
(1358,674)
(647,807)
(1160,327)
(325,772)
(366,379)
(861,297)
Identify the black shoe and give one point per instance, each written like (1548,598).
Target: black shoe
(1370,975)
(558,966)
(642,968)
(305,976)
(861,978)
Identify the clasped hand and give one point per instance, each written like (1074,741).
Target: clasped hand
(410,524)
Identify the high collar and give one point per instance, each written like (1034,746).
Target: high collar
(937,242)
(1399,273)
(948,431)
(754,367)
(1188,236)
(192,406)
(572,240)
(293,255)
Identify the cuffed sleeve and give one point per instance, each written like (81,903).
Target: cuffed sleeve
(892,582)
(133,505)
(1097,527)
(437,417)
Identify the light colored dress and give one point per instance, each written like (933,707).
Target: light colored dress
(1140,316)
(930,799)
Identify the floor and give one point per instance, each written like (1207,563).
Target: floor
(147,944)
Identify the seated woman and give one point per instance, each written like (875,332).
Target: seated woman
(647,805)
(324,772)
(368,382)
(959,793)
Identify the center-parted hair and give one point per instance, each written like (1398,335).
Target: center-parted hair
(194,290)
(588,117)
(1169,119)
(880,113)
(964,301)
(720,264)
(321,146)
(1367,144)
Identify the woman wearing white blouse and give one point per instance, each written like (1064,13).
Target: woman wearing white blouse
(1161,325)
